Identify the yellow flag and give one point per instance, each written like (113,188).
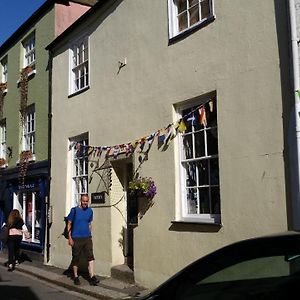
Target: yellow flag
(182,126)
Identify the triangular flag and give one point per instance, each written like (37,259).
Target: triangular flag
(181,127)
(202,115)
(161,135)
(170,135)
(191,119)
(211,105)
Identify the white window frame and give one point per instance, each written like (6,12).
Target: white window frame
(79,168)
(183,214)
(3,145)
(4,72)
(29,130)
(173,16)
(29,51)
(79,65)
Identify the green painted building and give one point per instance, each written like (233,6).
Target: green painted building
(24,117)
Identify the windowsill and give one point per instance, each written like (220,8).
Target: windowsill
(192,226)
(191,29)
(30,75)
(197,223)
(32,159)
(79,92)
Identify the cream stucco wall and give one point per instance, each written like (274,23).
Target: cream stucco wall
(237,56)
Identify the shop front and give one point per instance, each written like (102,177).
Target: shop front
(30,198)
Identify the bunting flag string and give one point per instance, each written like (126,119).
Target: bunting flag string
(164,136)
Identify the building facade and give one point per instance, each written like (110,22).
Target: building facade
(24,93)
(194,101)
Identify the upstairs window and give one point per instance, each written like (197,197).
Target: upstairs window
(79,169)
(29,130)
(29,52)
(187,14)
(3,139)
(4,70)
(79,71)
(199,163)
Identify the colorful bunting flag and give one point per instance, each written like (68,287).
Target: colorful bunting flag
(202,115)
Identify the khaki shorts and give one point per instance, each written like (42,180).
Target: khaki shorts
(82,246)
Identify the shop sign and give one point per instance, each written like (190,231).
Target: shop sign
(27,186)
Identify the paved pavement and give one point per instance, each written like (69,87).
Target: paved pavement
(108,288)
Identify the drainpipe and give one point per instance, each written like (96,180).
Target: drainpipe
(295,164)
(48,206)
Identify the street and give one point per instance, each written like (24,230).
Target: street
(19,286)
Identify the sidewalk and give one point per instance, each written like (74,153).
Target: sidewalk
(108,288)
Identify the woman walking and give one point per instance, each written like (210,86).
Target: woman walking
(16,227)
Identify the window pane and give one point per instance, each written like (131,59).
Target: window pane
(182,21)
(205,10)
(188,146)
(212,141)
(194,15)
(193,2)
(203,172)
(204,201)
(199,144)
(214,171)
(215,197)
(192,203)
(181,5)
(191,179)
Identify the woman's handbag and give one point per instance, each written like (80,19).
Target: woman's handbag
(4,234)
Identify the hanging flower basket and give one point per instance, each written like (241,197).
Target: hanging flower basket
(143,187)
(26,155)
(3,86)
(3,162)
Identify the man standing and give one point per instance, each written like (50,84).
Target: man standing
(80,238)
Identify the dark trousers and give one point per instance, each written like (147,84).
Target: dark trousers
(13,246)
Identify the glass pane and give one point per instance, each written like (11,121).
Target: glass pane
(205,10)
(192,203)
(193,2)
(199,144)
(191,179)
(203,172)
(204,201)
(215,200)
(182,21)
(77,186)
(194,15)
(181,5)
(81,166)
(188,146)
(214,171)
(212,141)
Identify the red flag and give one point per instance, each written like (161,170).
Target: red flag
(202,115)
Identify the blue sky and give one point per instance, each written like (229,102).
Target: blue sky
(14,13)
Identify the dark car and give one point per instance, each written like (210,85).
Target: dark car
(258,268)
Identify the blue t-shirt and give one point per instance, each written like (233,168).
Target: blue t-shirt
(80,224)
